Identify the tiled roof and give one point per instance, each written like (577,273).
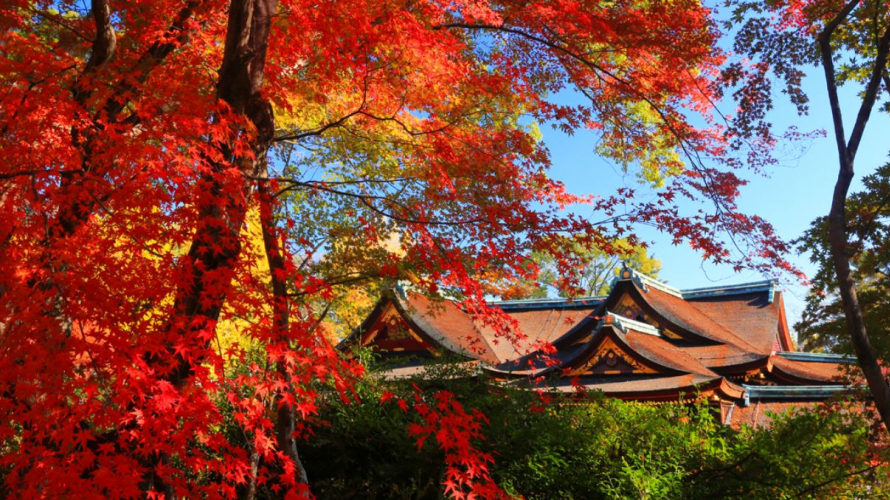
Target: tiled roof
(751,312)
(724,358)
(448,325)
(664,353)
(453,328)
(803,371)
(688,317)
(751,317)
(760,413)
(677,341)
(653,350)
(538,326)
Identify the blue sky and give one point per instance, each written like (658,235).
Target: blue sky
(795,192)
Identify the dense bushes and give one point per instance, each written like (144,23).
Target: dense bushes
(596,448)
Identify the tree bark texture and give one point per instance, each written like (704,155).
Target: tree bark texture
(222,210)
(222,213)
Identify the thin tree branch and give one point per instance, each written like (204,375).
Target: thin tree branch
(175,35)
(825,483)
(871,93)
(59,21)
(830,79)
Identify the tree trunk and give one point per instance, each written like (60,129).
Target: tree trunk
(865,353)
(286,424)
(837,218)
(254,469)
(222,212)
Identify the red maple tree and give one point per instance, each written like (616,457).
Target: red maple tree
(139,136)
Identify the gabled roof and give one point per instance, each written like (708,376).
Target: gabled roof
(610,351)
(752,317)
(447,324)
(639,343)
(437,325)
(538,325)
(749,315)
(673,312)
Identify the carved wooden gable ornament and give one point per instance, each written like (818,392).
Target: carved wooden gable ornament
(611,359)
(391,333)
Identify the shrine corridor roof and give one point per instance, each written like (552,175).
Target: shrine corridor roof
(644,341)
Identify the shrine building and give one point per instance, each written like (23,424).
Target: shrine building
(644,341)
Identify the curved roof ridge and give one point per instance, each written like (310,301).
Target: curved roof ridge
(644,281)
(653,349)
(802,372)
(559,303)
(726,335)
(817,357)
(751,287)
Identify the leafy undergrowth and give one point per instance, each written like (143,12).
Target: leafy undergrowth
(596,447)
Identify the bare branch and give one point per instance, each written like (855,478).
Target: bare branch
(871,93)
(58,20)
(317,131)
(368,199)
(830,80)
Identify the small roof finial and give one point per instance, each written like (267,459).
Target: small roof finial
(626,271)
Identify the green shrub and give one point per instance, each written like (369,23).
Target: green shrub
(595,447)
